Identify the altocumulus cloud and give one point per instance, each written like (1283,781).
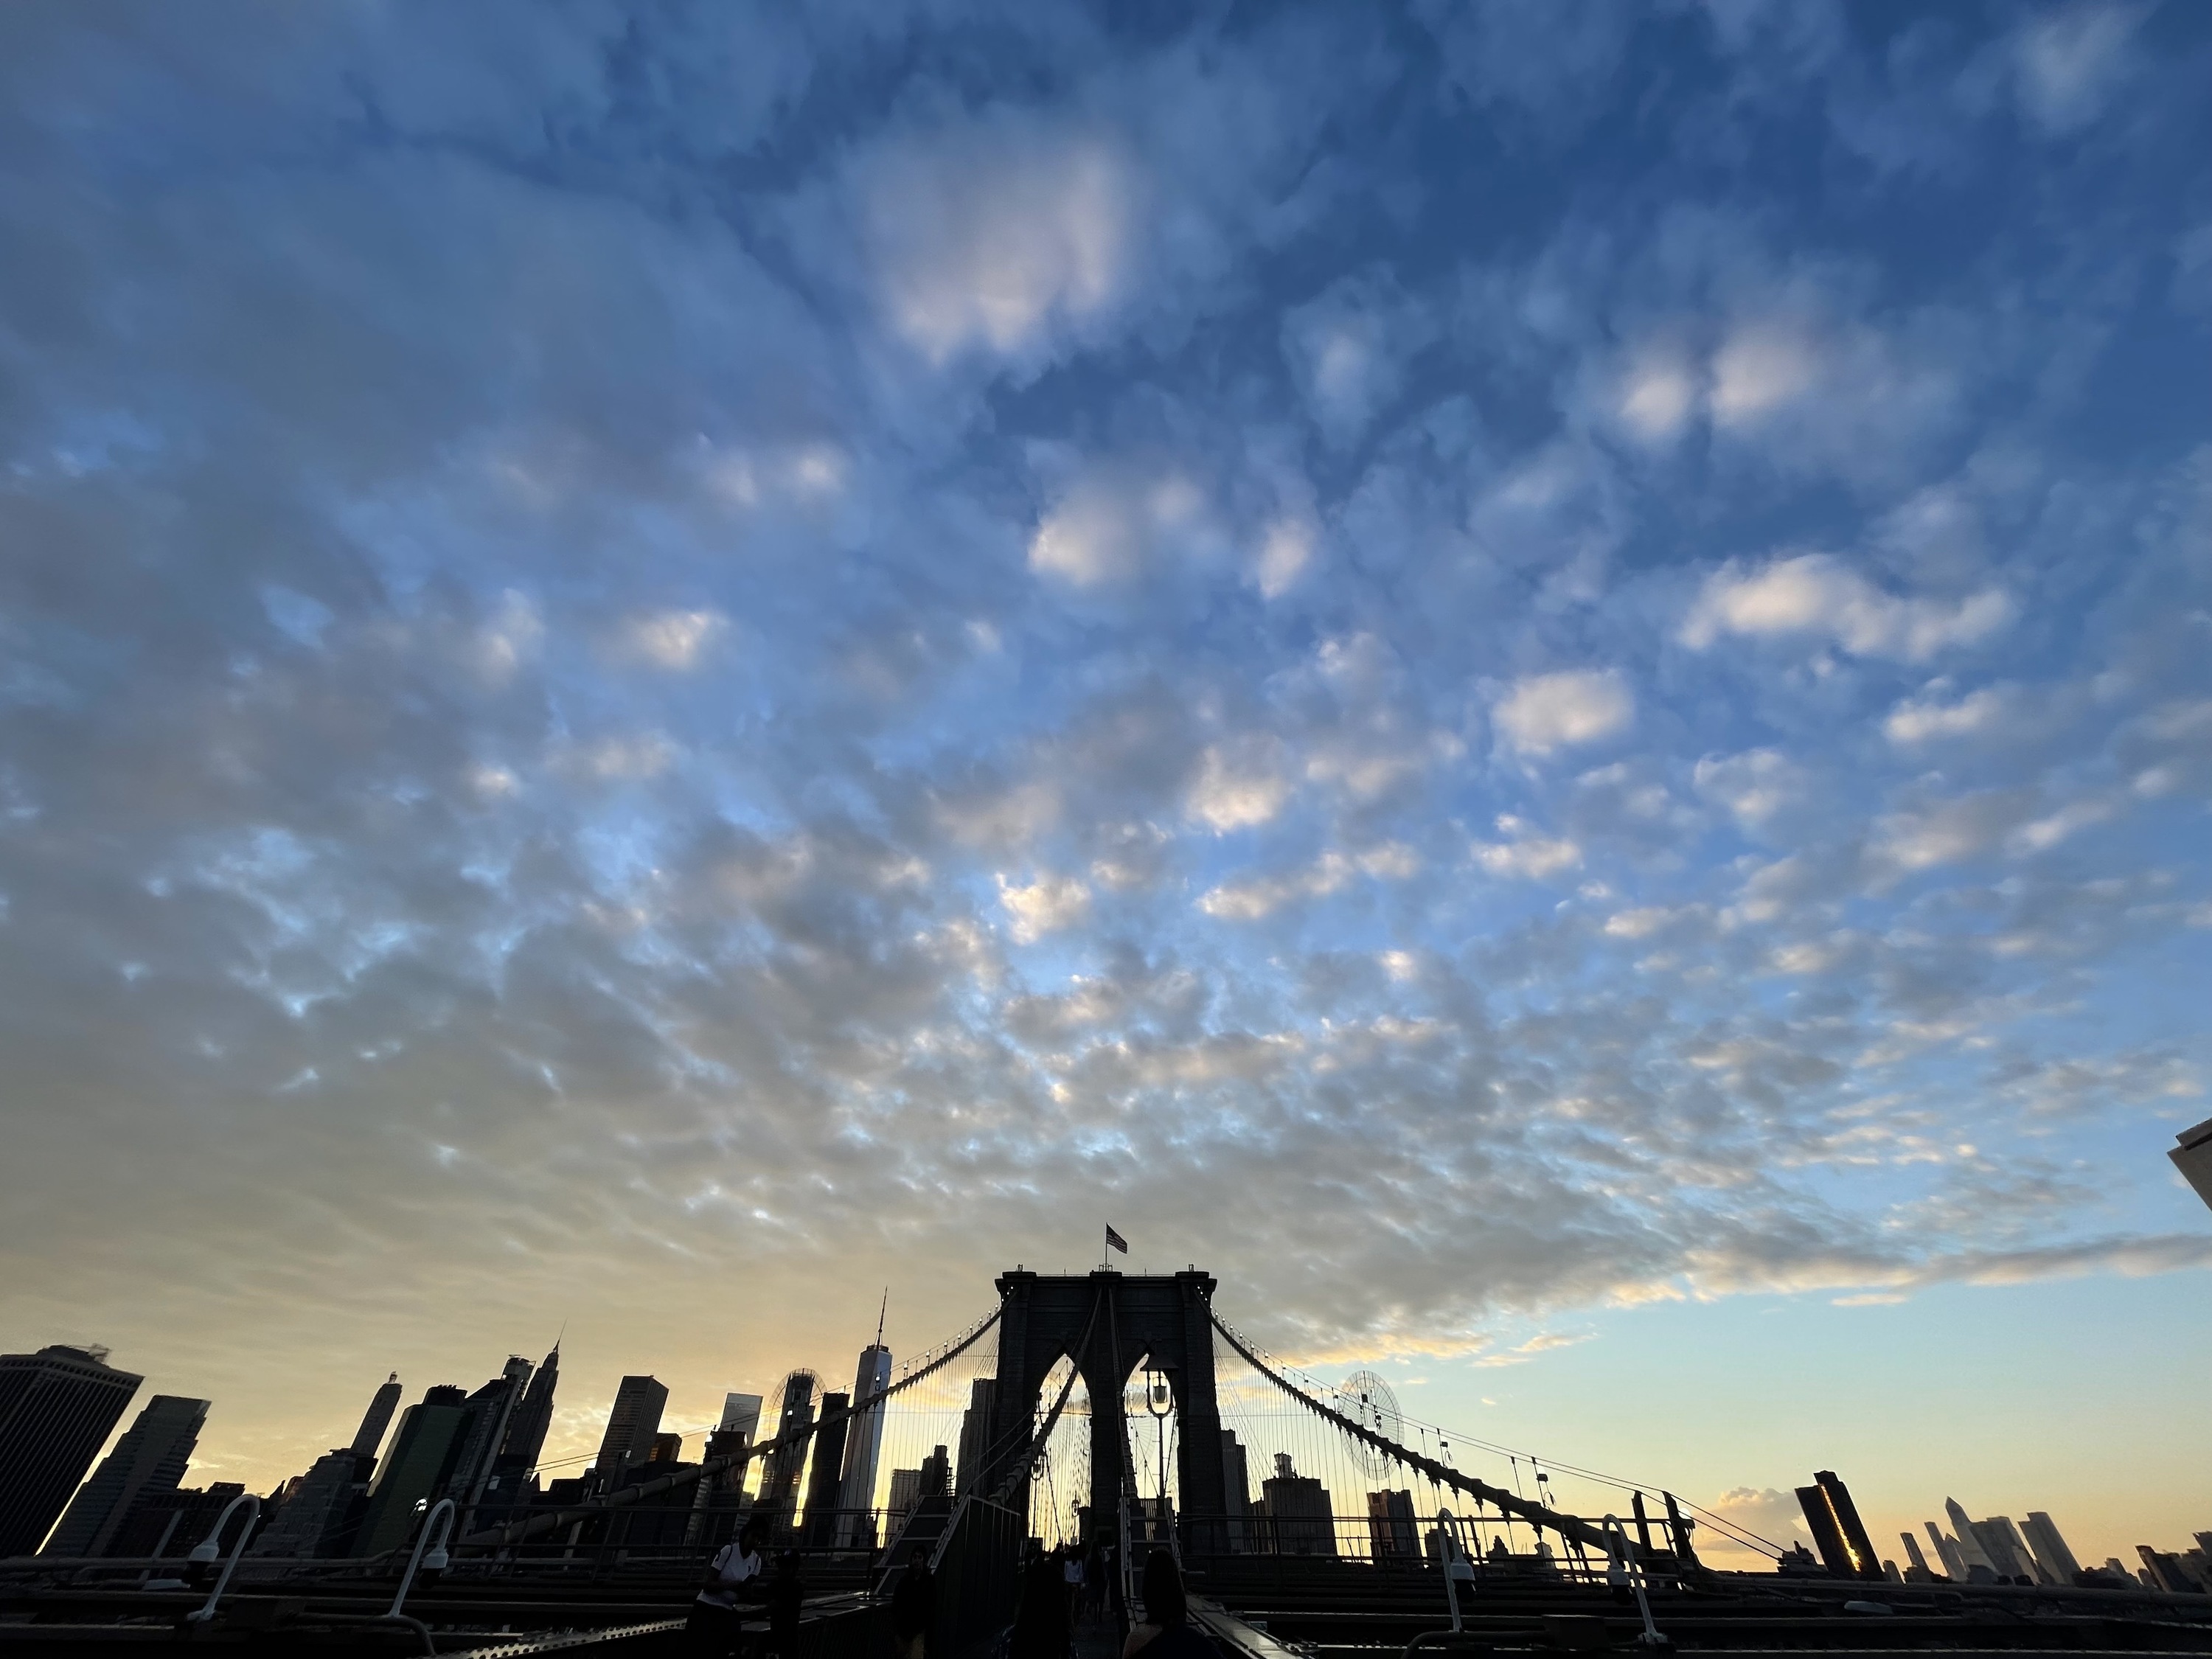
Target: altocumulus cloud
(719,645)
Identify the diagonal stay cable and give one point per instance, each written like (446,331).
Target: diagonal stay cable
(1537,1515)
(515,1532)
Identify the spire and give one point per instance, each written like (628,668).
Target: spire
(880,1314)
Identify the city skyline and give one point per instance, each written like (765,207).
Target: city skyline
(1534,677)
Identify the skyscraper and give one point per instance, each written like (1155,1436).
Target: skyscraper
(57,1406)
(2193,1156)
(1947,1551)
(1236,1491)
(150,1458)
(864,1442)
(1970,1544)
(1301,1513)
(1837,1532)
(976,1434)
(1391,1531)
(1919,1561)
(526,1429)
(2007,1552)
(631,1424)
(421,1458)
(317,1520)
(491,1410)
(378,1418)
(822,1485)
(778,1491)
(905,1493)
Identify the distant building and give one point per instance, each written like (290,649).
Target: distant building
(148,1458)
(378,1418)
(533,1419)
(2054,1560)
(423,1447)
(936,1475)
(1302,1516)
(2008,1554)
(1971,1553)
(2193,1156)
(491,1411)
(1918,1572)
(56,1408)
(168,1524)
(741,1415)
(632,1422)
(318,1520)
(976,1434)
(2164,1572)
(1837,1532)
(823,1482)
(1392,1531)
(905,1494)
(778,1491)
(864,1443)
(1237,1490)
(1947,1550)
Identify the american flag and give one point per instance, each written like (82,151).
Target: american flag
(1115,1240)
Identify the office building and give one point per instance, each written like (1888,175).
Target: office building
(2007,1550)
(821,1484)
(318,1519)
(741,1415)
(491,1412)
(1971,1551)
(2056,1562)
(533,1418)
(378,1418)
(778,1503)
(58,1407)
(1837,1532)
(1237,1494)
(632,1422)
(718,1499)
(1392,1533)
(2193,1156)
(1918,1572)
(420,1460)
(936,1475)
(1302,1516)
(1947,1551)
(864,1444)
(168,1524)
(148,1458)
(976,1434)
(2164,1572)
(905,1495)
(666,1448)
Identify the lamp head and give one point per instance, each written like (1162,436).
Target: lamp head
(205,1553)
(435,1560)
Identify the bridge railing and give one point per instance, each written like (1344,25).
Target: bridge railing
(1391,1545)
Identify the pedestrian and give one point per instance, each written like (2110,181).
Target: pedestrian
(1071,1575)
(913,1606)
(1041,1626)
(716,1627)
(1167,1631)
(1097,1572)
(787,1599)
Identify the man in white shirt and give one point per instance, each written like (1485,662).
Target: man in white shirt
(716,1625)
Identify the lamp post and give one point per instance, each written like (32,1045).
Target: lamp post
(1159,1402)
(210,1549)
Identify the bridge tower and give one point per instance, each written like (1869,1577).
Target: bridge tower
(1108,1322)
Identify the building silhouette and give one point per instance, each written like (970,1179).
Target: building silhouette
(2007,1550)
(2051,1554)
(1918,1572)
(632,1422)
(1837,1532)
(320,1517)
(168,1524)
(378,1418)
(423,1447)
(2192,1155)
(150,1459)
(823,1482)
(905,1496)
(1237,1493)
(56,1408)
(477,1452)
(532,1419)
(864,1442)
(1392,1531)
(1301,1515)
(976,1434)
(1971,1554)
(779,1489)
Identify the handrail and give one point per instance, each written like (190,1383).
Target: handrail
(1624,1567)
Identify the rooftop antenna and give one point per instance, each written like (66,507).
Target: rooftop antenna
(880,1313)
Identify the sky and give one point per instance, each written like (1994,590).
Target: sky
(1533,677)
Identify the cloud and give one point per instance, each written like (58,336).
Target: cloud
(1257,898)
(1928,718)
(1546,712)
(674,639)
(1754,785)
(1107,528)
(1046,904)
(1237,785)
(1816,594)
(1525,853)
(2068,62)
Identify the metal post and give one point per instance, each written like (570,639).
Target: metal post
(1625,1569)
(210,1547)
(443,1509)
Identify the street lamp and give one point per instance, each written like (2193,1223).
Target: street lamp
(1159,1401)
